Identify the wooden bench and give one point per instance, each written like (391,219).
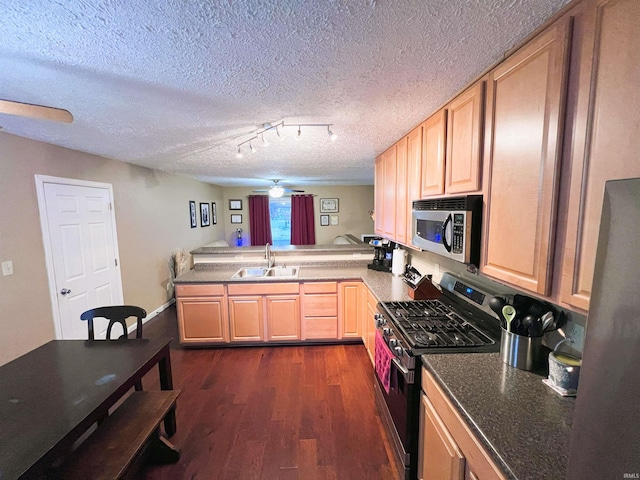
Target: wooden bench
(126,439)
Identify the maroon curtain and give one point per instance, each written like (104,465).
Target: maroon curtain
(303,230)
(259,219)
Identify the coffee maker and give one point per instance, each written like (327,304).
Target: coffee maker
(382,254)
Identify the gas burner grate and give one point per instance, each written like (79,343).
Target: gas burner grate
(431,324)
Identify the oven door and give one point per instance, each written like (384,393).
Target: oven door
(401,404)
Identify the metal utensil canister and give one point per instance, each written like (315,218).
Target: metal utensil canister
(519,351)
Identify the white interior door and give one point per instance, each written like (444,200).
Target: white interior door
(82,254)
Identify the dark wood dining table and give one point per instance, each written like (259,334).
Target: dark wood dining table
(52,395)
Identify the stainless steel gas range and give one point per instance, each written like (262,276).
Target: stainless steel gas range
(459,321)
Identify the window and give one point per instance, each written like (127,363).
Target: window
(280,212)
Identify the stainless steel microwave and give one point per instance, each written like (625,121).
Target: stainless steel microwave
(450,227)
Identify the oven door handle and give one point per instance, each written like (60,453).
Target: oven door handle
(408,375)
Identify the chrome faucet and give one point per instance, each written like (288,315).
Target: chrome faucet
(271,259)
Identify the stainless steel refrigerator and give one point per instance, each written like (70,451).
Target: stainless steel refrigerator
(605,437)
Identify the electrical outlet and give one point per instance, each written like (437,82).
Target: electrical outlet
(7,268)
(575,335)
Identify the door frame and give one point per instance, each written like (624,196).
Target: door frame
(41,180)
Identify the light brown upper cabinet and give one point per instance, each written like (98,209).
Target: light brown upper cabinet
(414,170)
(385,193)
(434,131)
(378,200)
(401,199)
(605,145)
(464,141)
(525,102)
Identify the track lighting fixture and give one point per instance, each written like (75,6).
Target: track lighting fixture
(332,135)
(259,135)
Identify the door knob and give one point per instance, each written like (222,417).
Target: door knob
(65,291)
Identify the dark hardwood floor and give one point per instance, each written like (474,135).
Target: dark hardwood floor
(294,412)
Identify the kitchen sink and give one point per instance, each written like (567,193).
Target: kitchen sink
(283,272)
(250,272)
(267,273)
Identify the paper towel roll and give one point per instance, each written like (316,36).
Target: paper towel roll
(397,262)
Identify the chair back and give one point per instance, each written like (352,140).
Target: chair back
(115,314)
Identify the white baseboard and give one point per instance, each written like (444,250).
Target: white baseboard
(150,315)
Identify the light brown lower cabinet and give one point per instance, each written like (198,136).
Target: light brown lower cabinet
(262,312)
(370,308)
(202,314)
(319,310)
(350,305)
(448,448)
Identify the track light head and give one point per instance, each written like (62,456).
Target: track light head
(332,135)
(264,142)
(253,150)
(299,133)
(239,154)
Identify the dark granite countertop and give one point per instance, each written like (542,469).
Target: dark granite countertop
(524,425)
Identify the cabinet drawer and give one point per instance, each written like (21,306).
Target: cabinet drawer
(262,288)
(478,460)
(321,305)
(320,327)
(320,287)
(197,290)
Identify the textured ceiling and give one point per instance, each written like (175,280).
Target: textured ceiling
(176,85)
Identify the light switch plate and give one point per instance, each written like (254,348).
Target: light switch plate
(7,268)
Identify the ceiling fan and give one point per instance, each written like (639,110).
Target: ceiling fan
(35,111)
(277,190)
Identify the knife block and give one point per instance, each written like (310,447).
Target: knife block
(424,291)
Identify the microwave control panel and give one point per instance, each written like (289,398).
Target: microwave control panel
(458,233)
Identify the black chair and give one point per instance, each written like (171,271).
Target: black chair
(116,314)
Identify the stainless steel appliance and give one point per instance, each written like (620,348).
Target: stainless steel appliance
(604,436)
(459,321)
(450,227)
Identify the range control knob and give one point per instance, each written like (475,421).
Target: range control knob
(386,331)
(393,342)
(379,319)
(398,351)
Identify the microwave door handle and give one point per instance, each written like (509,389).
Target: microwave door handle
(444,233)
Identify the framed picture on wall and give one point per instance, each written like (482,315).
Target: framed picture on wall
(205,219)
(214,213)
(334,220)
(235,204)
(192,214)
(328,205)
(237,218)
(324,220)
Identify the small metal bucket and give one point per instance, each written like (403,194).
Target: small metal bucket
(519,351)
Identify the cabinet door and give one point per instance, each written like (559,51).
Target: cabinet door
(464,137)
(434,131)
(439,458)
(401,200)
(246,319)
(379,196)
(283,317)
(350,309)
(525,97)
(414,171)
(202,320)
(606,145)
(389,199)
